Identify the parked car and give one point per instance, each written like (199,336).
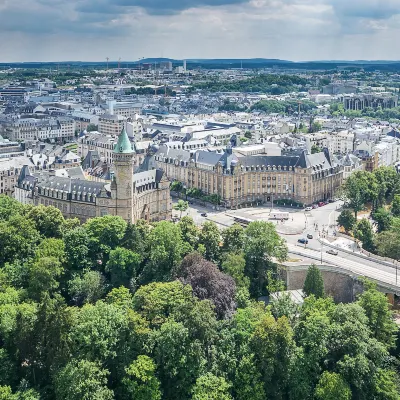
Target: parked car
(331,201)
(303,241)
(332,252)
(309,236)
(309,208)
(321,204)
(203,214)
(314,206)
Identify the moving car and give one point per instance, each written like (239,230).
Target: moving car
(309,208)
(303,241)
(203,214)
(332,252)
(309,236)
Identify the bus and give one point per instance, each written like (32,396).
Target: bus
(242,220)
(279,215)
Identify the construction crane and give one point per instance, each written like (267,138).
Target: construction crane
(107,58)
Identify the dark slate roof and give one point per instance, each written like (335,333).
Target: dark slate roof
(288,161)
(148,164)
(91,159)
(207,157)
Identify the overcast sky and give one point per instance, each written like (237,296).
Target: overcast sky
(91,30)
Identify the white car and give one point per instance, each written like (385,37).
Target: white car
(308,208)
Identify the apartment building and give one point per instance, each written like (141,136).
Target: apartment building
(10,169)
(111,124)
(22,129)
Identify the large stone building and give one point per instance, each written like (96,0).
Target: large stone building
(240,181)
(141,195)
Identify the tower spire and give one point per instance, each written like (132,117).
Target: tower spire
(123,145)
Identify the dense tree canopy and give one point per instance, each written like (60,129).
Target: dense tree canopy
(108,310)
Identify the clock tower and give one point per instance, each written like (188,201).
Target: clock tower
(122,187)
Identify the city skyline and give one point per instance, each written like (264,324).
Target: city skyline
(297,30)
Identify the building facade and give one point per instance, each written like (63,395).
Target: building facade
(239,181)
(141,195)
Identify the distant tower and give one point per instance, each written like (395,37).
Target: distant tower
(184,65)
(122,187)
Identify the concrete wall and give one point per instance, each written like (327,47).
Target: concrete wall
(342,287)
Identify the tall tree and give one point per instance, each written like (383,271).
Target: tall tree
(347,220)
(380,317)
(123,266)
(140,381)
(181,206)
(211,387)
(261,244)
(210,238)
(396,205)
(383,219)
(208,282)
(233,239)
(190,232)
(105,234)
(363,232)
(166,252)
(80,380)
(314,284)
(49,221)
(332,386)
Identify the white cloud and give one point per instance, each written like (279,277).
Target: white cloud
(289,29)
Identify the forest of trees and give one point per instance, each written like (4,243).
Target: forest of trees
(379,189)
(109,310)
(271,84)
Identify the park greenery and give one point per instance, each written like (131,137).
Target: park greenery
(108,310)
(378,191)
(264,83)
(386,114)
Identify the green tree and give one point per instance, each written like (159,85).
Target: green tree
(347,220)
(140,380)
(380,317)
(9,207)
(211,387)
(233,239)
(87,288)
(135,239)
(166,253)
(77,249)
(44,275)
(82,380)
(178,358)
(105,234)
(234,265)
(332,386)
(363,232)
(49,220)
(315,148)
(386,386)
(156,301)
(247,383)
(387,243)
(122,267)
(210,238)
(261,244)
(383,219)
(396,205)
(181,206)
(18,238)
(190,232)
(314,284)
(273,346)
(359,188)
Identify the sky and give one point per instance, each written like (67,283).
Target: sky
(298,30)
